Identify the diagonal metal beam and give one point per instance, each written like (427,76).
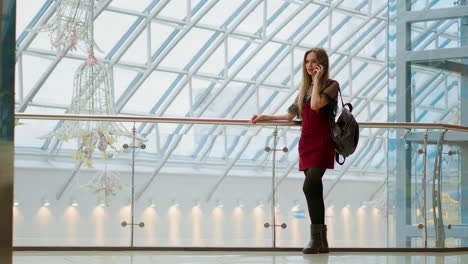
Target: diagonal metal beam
(426,89)
(126,97)
(122,48)
(372,154)
(25,39)
(67,183)
(426,31)
(359,48)
(431,105)
(229,166)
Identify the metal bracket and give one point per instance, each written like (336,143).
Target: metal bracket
(283,225)
(124,224)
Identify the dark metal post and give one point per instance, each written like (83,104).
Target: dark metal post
(403,114)
(7,107)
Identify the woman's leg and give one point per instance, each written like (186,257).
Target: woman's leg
(313,190)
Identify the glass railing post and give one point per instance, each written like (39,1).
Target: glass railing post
(424,188)
(274,186)
(132,205)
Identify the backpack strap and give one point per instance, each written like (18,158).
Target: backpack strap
(337,158)
(349,105)
(339,92)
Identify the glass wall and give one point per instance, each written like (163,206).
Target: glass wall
(428,84)
(430,195)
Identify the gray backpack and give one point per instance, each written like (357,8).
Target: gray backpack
(345,132)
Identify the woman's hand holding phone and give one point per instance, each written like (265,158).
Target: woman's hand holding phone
(319,69)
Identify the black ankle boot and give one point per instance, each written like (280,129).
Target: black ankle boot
(323,235)
(315,244)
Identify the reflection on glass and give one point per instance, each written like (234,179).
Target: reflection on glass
(435,34)
(436,87)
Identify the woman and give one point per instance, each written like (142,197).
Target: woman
(316,104)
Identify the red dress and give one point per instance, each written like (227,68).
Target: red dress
(316,148)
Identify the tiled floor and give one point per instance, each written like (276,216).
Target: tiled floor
(169,257)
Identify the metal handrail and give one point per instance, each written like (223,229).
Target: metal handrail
(215,121)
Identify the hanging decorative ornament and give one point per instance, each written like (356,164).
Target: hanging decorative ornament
(71,26)
(105,184)
(93,95)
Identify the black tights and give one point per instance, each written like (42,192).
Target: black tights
(313,190)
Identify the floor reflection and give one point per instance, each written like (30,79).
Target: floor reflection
(180,257)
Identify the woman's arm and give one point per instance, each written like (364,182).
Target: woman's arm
(256,118)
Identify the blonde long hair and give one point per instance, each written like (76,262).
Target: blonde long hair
(322,58)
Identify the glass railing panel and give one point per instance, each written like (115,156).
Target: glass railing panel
(207,185)
(425,209)
(72,191)
(203,188)
(448,213)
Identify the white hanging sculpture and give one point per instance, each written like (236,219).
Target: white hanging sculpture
(93,95)
(105,184)
(71,25)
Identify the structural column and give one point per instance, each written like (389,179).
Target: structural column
(403,114)
(464,122)
(7,88)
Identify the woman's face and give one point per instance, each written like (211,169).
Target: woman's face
(311,63)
